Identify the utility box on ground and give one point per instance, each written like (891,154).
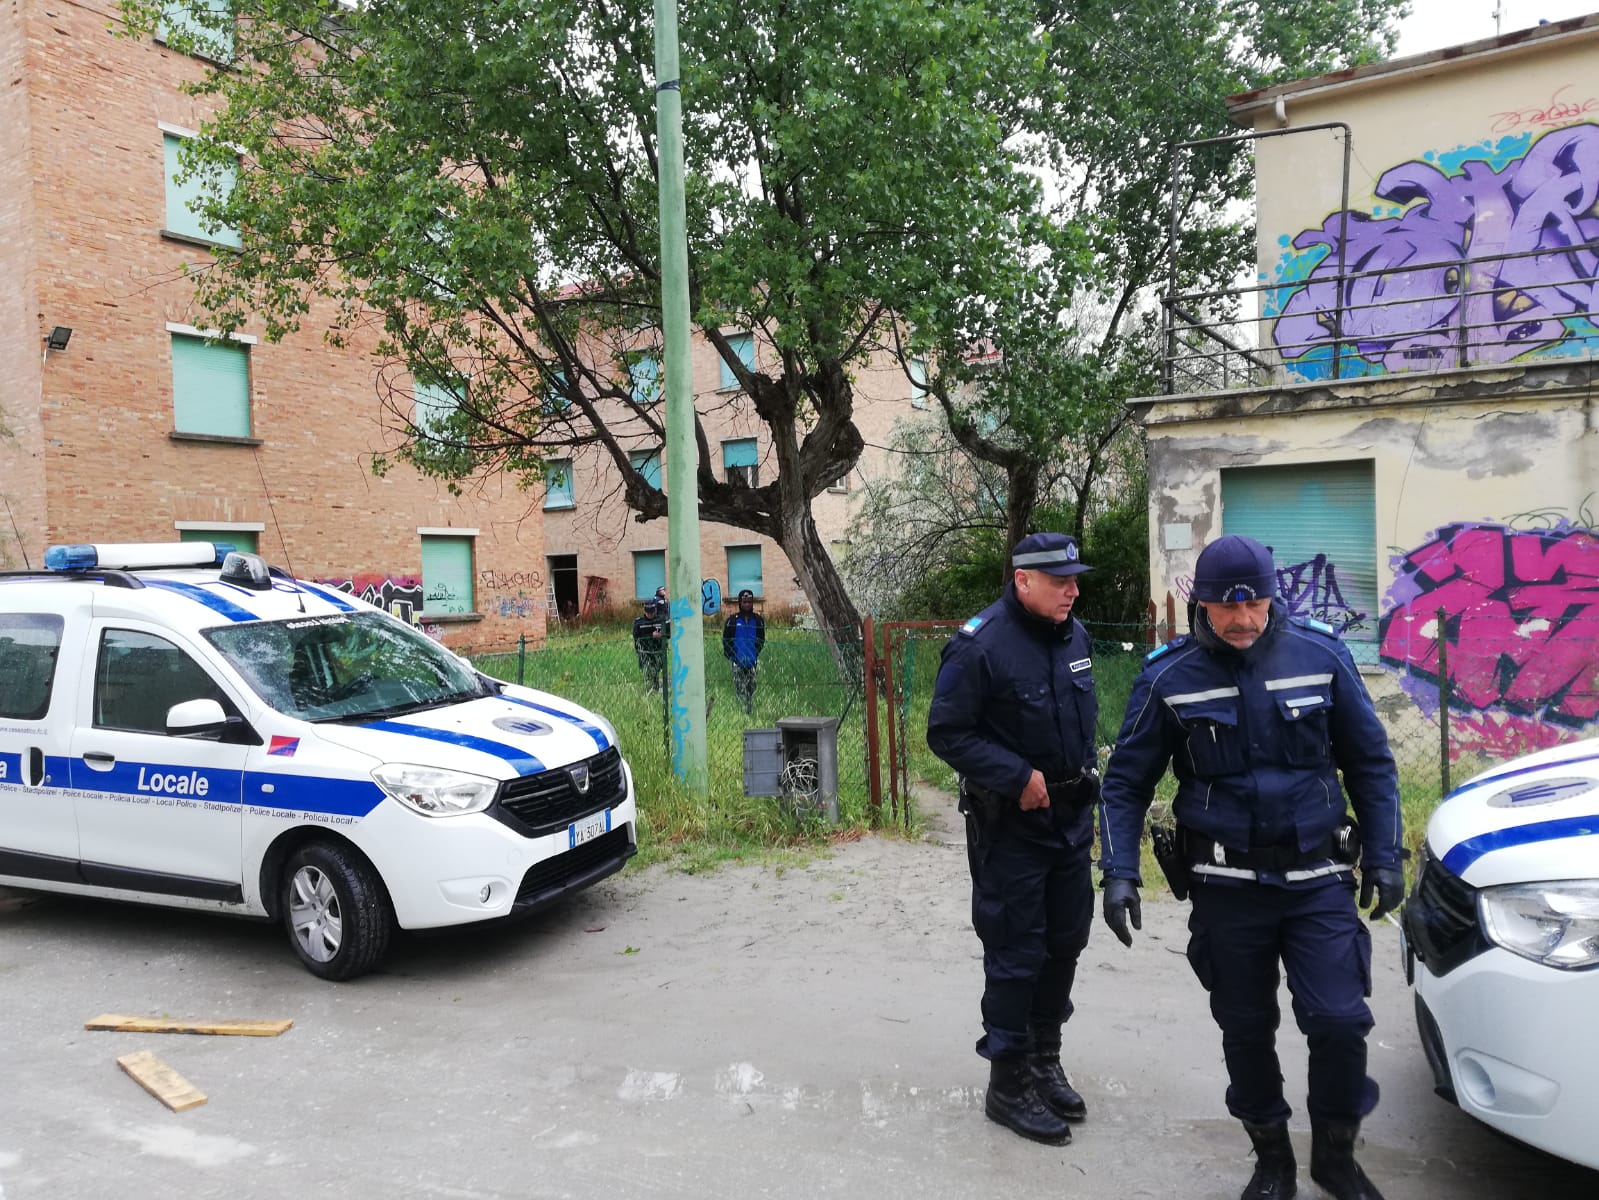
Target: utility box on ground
(797,761)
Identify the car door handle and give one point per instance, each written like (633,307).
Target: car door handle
(36,776)
(99,760)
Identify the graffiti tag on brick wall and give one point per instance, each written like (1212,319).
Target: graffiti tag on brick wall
(1521,629)
(515,594)
(400,595)
(1415,299)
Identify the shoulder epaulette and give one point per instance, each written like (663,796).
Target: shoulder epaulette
(1171,645)
(972,625)
(1319,626)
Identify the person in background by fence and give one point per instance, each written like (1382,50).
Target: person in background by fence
(649,642)
(743,636)
(1013,712)
(1257,714)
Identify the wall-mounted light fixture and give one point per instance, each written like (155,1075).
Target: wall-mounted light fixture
(58,338)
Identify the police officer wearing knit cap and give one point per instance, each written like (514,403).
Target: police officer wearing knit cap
(1257,714)
(1013,712)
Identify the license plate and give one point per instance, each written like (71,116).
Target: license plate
(589,828)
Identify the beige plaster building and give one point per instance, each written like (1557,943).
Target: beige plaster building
(1406,409)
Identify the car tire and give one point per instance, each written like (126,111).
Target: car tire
(335,910)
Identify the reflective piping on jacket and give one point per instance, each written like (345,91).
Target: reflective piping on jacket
(1195,697)
(524,762)
(1463,854)
(594,731)
(216,603)
(1277,685)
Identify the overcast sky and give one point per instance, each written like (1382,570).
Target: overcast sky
(1434,24)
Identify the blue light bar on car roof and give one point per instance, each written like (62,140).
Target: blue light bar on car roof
(118,556)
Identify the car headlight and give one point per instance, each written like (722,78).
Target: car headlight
(1554,923)
(435,792)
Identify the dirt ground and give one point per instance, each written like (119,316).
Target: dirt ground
(750,1032)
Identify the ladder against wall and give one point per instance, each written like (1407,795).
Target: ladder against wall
(594,594)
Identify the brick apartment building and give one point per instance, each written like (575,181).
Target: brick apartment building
(141,429)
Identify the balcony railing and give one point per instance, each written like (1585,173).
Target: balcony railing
(1470,310)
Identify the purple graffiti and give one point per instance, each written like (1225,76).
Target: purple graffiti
(1310,589)
(1404,309)
(1520,630)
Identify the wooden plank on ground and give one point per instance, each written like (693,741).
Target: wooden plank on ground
(161,1081)
(125,1024)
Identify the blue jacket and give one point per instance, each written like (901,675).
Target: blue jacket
(1257,739)
(742,638)
(1015,692)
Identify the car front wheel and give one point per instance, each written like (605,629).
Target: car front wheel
(335,910)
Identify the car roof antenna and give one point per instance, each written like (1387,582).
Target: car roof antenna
(299,593)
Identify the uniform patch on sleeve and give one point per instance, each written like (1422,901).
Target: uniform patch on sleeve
(1171,645)
(1318,626)
(1082,664)
(971,626)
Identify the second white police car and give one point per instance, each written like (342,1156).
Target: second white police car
(1501,939)
(185,726)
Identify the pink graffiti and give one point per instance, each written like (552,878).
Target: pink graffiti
(1521,628)
(400,595)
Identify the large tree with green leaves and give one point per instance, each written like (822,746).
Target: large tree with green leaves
(477,180)
(1127,81)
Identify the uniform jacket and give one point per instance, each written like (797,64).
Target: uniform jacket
(1256,739)
(1014,693)
(742,638)
(649,637)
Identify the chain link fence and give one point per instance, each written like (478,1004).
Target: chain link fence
(795,676)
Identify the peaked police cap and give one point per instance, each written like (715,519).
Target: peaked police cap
(1051,553)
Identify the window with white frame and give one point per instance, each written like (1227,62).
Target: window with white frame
(841,484)
(210,385)
(740,463)
(644,379)
(917,367)
(446,574)
(243,538)
(205,30)
(558,490)
(435,404)
(743,347)
(186,192)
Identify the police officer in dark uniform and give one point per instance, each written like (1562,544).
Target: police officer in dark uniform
(1257,714)
(1013,712)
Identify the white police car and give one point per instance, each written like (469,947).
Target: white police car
(185,726)
(1502,943)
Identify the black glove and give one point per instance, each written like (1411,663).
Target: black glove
(1389,883)
(1121,904)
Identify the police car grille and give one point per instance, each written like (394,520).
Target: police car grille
(1441,919)
(545,802)
(547,880)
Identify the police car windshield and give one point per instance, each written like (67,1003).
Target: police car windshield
(346,667)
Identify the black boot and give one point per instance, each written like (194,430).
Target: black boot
(1013,1103)
(1276,1172)
(1053,1088)
(1332,1161)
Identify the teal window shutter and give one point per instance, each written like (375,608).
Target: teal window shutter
(649,572)
(743,345)
(210,387)
(558,492)
(644,378)
(1320,521)
(648,464)
(184,199)
(446,575)
(740,460)
(744,570)
(209,37)
(434,406)
(918,373)
(245,541)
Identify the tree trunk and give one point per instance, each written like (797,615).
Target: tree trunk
(1021,498)
(816,573)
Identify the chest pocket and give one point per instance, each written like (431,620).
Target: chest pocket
(1215,741)
(1305,734)
(1087,706)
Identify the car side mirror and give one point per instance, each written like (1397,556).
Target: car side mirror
(197,719)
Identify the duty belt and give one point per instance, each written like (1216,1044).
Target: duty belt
(1206,856)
